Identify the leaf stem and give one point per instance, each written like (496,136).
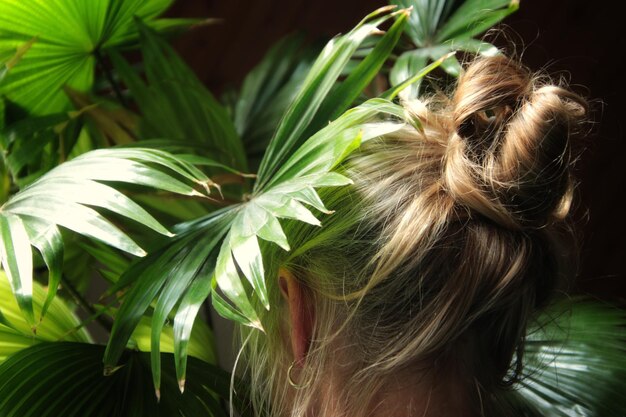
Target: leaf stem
(109,76)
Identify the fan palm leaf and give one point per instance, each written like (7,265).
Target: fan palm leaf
(69,34)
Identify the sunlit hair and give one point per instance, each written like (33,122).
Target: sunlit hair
(451,237)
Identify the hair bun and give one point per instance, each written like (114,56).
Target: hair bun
(509,154)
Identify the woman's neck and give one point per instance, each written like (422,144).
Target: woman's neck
(422,397)
(401,396)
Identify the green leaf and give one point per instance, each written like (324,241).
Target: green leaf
(167,271)
(10,63)
(474,17)
(176,105)
(229,281)
(283,197)
(169,296)
(278,68)
(396,90)
(268,90)
(65,379)
(328,147)
(17,261)
(426,17)
(201,342)
(64,197)
(270,87)
(405,67)
(187,322)
(574,363)
(343,96)
(225,310)
(34,145)
(16,334)
(290,133)
(68,33)
(48,240)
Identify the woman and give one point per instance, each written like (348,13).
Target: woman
(413,298)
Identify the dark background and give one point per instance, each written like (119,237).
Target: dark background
(580,40)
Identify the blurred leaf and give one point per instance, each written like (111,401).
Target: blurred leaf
(5,67)
(426,17)
(68,33)
(176,105)
(16,334)
(116,124)
(65,379)
(474,17)
(268,90)
(575,363)
(34,145)
(406,66)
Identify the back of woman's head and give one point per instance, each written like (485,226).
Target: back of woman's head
(452,235)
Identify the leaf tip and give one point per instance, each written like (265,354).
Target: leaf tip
(110,369)
(385,9)
(257,325)
(406,12)
(157,393)
(181,385)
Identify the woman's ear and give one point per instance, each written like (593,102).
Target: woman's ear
(301,313)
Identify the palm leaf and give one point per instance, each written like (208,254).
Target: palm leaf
(474,17)
(181,260)
(176,105)
(65,379)
(60,324)
(316,89)
(229,237)
(69,34)
(426,17)
(439,27)
(12,61)
(64,197)
(575,363)
(201,343)
(34,145)
(268,90)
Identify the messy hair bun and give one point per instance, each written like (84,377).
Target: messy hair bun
(509,154)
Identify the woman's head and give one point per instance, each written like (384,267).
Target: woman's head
(433,261)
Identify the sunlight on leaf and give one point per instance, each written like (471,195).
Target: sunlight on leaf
(60,324)
(69,33)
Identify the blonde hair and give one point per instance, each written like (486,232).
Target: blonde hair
(449,240)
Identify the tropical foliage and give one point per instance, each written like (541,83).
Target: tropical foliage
(139,177)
